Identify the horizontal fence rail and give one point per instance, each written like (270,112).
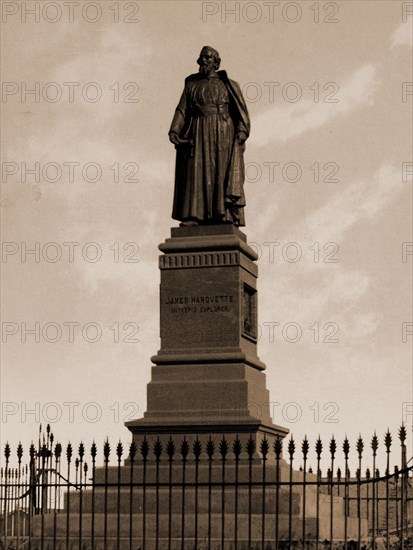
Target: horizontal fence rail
(205,494)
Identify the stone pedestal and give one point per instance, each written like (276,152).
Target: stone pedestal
(188,486)
(208,379)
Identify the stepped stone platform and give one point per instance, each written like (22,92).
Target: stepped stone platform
(163,515)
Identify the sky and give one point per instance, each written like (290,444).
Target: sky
(89,91)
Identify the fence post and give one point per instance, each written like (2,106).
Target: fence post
(291,451)
(278,447)
(402,437)
(387,442)
(132,453)
(374,446)
(318,449)
(236,449)
(304,449)
(170,450)
(157,449)
(264,448)
(196,449)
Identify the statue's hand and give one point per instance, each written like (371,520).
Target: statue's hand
(173,138)
(241,137)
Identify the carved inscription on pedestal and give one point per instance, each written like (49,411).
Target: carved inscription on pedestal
(200,304)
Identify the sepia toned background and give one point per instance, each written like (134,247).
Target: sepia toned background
(89,90)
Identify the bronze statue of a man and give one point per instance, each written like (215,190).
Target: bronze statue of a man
(209,130)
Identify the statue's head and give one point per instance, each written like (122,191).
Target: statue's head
(208,60)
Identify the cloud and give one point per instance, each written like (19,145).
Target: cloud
(280,123)
(318,300)
(336,292)
(363,324)
(360,201)
(402,36)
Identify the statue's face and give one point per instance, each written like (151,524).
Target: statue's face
(207,60)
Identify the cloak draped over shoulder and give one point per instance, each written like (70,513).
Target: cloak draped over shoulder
(209,175)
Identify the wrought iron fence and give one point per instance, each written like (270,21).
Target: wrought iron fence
(205,493)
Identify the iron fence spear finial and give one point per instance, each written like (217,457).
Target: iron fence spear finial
(197,449)
(81,451)
(58,451)
(333,447)
(106,450)
(305,447)
(278,447)
(374,444)
(223,448)
(251,448)
(119,450)
(402,434)
(264,448)
(7,452)
(132,451)
(19,451)
(157,449)
(144,449)
(236,448)
(360,447)
(93,451)
(184,449)
(170,449)
(69,451)
(318,447)
(346,447)
(291,447)
(388,440)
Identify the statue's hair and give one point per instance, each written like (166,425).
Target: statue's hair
(214,53)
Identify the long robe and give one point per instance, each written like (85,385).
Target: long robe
(209,175)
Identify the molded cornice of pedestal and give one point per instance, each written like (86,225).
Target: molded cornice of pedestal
(187,259)
(207,237)
(173,426)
